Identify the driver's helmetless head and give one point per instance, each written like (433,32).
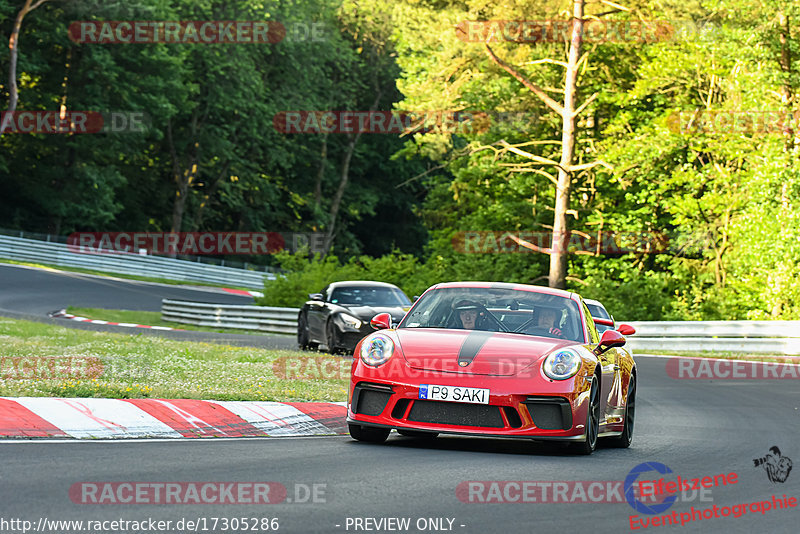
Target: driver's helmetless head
(467,313)
(468,318)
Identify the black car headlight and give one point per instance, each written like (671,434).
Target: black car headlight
(349,320)
(562,364)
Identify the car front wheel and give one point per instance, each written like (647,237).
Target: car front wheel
(369,434)
(332,338)
(588,445)
(302,334)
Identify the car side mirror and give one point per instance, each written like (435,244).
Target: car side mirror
(382,321)
(416,298)
(604,322)
(315,296)
(626,330)
(610,339)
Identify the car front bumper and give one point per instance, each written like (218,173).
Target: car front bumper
(521,408)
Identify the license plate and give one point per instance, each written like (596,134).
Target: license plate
(454,394)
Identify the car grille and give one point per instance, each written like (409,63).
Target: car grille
(456,413)
(370,399)
(549,413)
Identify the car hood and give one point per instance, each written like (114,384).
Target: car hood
(473,351)
(365,313)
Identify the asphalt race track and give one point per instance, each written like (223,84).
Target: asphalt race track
(696,427)
(32,293)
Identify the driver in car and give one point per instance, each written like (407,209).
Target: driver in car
(469,315)
(547,321)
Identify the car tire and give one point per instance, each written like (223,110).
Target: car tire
(331,338)
(422,434)
(370,434)
(589,444)
(302,334)
(623,441)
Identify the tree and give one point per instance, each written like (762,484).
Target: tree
(13,46)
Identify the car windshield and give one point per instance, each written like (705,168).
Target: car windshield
(497,310)
(389,297)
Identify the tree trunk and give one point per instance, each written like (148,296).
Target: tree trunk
(183,177)
(323,158)
(13,45)
(210,192)
(558,257)
(344,177)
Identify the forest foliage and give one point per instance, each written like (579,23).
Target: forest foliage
(720,201)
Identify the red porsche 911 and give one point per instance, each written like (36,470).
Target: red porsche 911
(494,359)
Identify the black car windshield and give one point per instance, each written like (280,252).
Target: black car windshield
(598,311)
(388,297)
(498,310)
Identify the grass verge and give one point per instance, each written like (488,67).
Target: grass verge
(149,318)
(43,360)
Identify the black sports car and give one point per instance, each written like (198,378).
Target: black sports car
(339,316)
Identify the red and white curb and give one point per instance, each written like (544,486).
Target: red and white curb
(62,314)
(47,417)
(243,292)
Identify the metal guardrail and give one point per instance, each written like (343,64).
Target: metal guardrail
(21,249)
(776,337)
(261,318)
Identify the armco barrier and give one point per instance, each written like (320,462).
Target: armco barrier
(776,337)
(262,318)
(20,249)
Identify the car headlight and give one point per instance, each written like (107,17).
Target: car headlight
(562,364)
(350,321)
(376,350)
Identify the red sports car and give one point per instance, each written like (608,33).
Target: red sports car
(494,359)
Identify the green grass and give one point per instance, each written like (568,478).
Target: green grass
(150,319)
(81,270)
(744,356)
(44,360)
